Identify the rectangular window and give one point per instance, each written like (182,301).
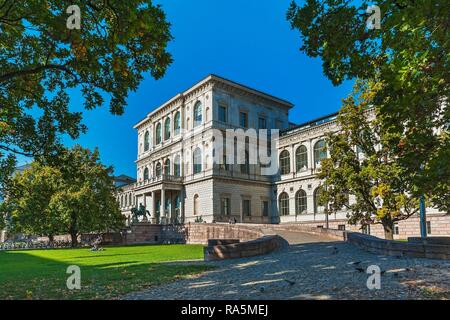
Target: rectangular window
(246,208)
(341,227)
(262,123)
(428,227)
(366,229)
(225,206)
(265,208)
(222,114)
(243,119)
(396,230)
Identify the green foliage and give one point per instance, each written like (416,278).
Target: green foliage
(74,194)
(409,59)
(368,173)
(30,195)
(41,59)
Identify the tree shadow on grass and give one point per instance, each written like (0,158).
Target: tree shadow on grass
(25,276)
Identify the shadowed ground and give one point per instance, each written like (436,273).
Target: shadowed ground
(311,268)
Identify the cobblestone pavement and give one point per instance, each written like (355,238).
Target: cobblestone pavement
(311,268)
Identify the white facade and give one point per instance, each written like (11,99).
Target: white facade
(171,140)
(177,180)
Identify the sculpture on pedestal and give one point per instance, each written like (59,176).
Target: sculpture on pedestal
(140,212)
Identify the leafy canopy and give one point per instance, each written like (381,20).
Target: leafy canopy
(361,164)
(409,58)
(73,195)
(41,59)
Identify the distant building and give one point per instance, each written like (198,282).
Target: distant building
(123,180)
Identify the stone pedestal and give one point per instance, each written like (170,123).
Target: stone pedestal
(143,232)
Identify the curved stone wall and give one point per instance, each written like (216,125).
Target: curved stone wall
(260,246)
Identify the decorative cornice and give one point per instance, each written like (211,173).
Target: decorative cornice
(210,82)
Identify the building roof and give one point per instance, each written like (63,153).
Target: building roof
(210,77)
(310,123)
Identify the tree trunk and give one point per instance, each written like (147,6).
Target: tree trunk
(388,227)
(51,240)
(73,230)
(74,239)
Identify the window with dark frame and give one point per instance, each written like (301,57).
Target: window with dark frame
(225,206)
(246,208)
(262,123)
(222,114)
(243,119)
(265,208)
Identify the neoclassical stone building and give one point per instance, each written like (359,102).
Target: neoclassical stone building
(178,180)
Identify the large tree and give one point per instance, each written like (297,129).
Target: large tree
(30,194)
(71,194)
(409,57)
(41,58)
(362,164)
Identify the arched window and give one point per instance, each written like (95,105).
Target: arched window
(167,167)
(320,151)
(130,201)
(198,110)
(177,167)
(300,202)
(167,129)
(146,141)
(146,174)
(158,169)
(301,158)
(121,201)
(284,204)
(176,123)
(197,161)
(158,133)
(196,204)
(317,207)
(285,160)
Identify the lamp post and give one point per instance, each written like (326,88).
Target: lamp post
(423,218)
(423,215)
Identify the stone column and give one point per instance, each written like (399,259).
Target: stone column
(293,169)
(182,205)
(310,155)
(162,204)
(152,207)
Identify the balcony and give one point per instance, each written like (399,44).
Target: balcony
(158,179)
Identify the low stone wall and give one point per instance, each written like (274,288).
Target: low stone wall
(260,246)
(397,248)
(199,233)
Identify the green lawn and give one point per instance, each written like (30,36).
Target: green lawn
(41,274)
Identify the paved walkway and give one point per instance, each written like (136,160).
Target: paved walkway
(311,268)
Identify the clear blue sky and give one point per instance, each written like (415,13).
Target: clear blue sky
(248,41)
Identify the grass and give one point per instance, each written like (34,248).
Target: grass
(108,274)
